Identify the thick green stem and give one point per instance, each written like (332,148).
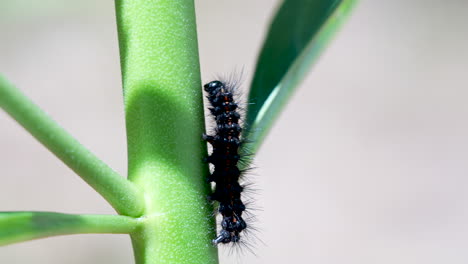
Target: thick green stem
(164,118)
(119,192)
(23,226)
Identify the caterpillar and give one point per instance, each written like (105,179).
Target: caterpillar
(225,157)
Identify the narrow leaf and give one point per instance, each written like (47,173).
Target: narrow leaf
(23,226)
(298,34)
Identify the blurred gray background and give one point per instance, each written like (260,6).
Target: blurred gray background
(368,163)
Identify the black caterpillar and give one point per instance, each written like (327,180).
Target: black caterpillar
(225,157)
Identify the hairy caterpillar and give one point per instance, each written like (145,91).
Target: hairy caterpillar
(225,157)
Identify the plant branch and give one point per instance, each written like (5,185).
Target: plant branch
(23,226)
(119,192)
(165,121)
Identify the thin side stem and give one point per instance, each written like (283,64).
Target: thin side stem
(23,226)
(119,192)
(165,121)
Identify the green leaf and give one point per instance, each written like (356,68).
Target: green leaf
(123,195)
(297,36)
(23,226)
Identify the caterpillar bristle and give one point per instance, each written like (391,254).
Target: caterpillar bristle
(225,158)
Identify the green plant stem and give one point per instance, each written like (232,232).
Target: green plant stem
(22,226)
(164,118)
(119,192)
